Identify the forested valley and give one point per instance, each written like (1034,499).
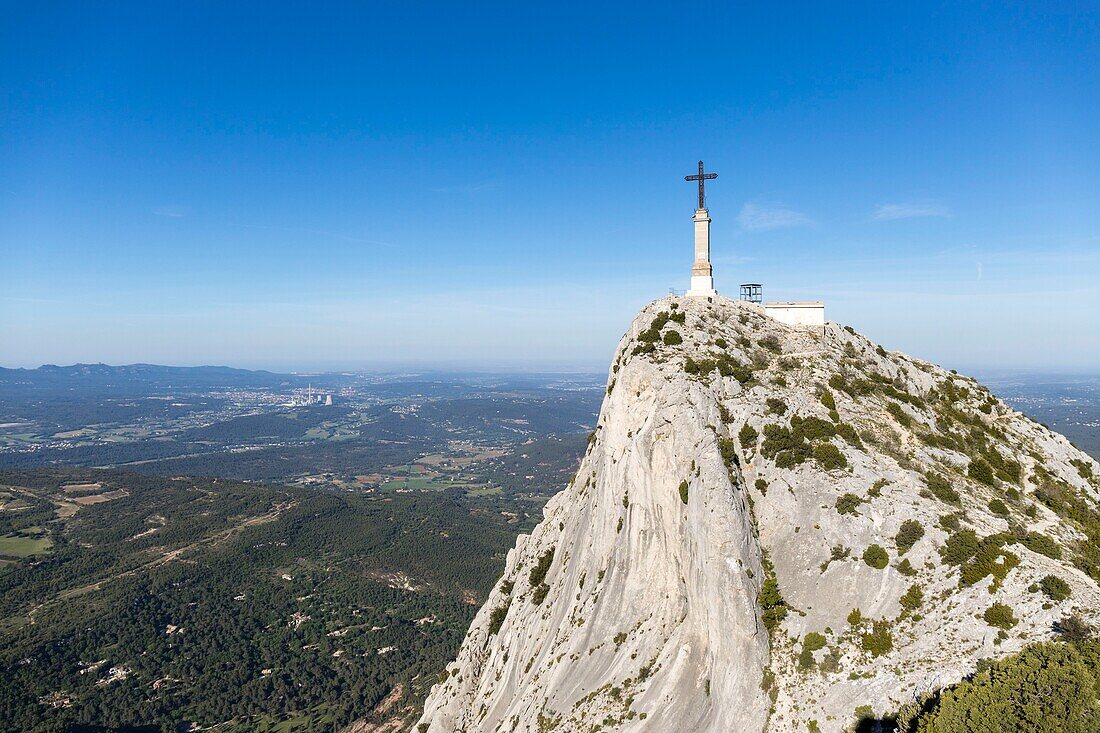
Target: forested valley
(167,602)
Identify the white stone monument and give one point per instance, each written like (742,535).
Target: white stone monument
(702,274)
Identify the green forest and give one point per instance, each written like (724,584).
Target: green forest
(212,602)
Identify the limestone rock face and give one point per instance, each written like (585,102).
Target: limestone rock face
(751,483)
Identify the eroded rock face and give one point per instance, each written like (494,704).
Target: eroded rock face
(637,603)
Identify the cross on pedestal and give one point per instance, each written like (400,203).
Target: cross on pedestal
(702,274)
(701,177)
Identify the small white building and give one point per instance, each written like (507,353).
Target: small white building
(810,314)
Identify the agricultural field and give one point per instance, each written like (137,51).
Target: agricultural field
(24,545)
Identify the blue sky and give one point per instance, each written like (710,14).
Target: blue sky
(301,186)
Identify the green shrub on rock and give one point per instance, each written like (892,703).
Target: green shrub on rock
(876,556)
(538,573)
(813,428)
(990,560)
(813,641)
(771,343)
(1075,629)
(773,608)
(784,446)
(829,457)
(1041,543)
(652,334)
(1083,468)
(728,450)
(942,490)
(848,503)
(880,640)
(908,535)
(899,414)
(849,434)
(1055,588)
(791,458)
(748,435)
(838,553)
(980,471)
(979,558)
(1000,616)
(950,522)
(912,599)
(684,491)
(496,619)
(810,644)
(960,547)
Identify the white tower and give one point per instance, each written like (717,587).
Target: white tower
(702,274)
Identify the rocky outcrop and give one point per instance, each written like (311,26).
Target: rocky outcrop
(773,527)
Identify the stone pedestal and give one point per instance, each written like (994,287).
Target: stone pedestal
(702,278)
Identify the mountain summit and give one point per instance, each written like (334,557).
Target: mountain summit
(777,528)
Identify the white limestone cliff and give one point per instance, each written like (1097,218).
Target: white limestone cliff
(637,604)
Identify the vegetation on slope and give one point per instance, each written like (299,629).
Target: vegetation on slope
(1050,687)
(981,465)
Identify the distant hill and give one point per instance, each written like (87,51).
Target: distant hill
(90,376)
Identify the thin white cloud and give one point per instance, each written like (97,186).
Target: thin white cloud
(887,212)
(761,216)
(172,212)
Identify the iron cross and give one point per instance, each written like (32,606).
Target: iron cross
(701,177)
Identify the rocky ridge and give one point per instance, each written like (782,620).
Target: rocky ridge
(776,529)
